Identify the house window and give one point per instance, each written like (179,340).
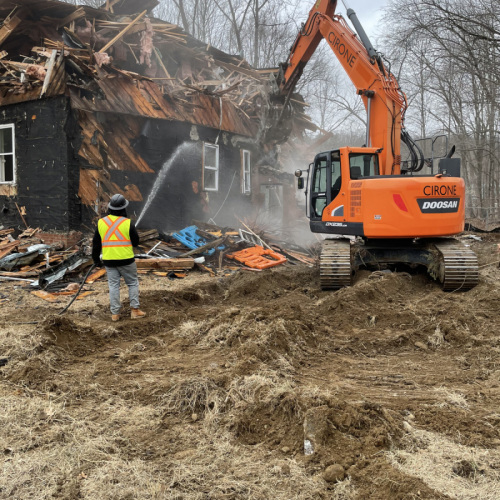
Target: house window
(245,167)
(210,167)
(7,154)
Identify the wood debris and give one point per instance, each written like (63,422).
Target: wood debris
(51,268)
(82,46)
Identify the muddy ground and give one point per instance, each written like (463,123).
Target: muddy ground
(256,386)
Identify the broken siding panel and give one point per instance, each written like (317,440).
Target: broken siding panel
(113,141)
(95,188)
(18,94)
(119,135)
(123,96)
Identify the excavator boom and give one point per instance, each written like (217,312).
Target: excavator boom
(398,218)
(383,99)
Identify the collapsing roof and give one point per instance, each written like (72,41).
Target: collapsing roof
(121,70)
(117,59)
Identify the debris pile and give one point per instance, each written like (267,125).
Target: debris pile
(119,58)
(52,270)
(216,250)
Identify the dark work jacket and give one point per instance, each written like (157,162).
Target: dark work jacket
(97,245)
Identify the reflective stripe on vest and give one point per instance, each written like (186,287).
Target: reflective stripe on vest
(114,230)
(115,237)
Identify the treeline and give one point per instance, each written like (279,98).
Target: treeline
(446,55)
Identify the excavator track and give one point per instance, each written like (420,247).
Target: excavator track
(458,269)
(335,264)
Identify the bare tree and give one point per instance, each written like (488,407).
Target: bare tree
(449,54)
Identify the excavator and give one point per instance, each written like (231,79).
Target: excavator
(377,210)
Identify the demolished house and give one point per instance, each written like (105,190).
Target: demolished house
(111,100)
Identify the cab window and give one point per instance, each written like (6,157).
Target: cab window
(363,165)
(336,174)
(319,186)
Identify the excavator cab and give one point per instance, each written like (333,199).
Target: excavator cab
(326,182)
(331,176)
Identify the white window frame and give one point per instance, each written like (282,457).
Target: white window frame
(246,179)
(215,168)
(13,154)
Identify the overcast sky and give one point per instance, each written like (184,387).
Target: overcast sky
(369,13)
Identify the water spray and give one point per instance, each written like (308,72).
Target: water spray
(162,174)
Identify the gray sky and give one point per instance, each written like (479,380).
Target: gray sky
(369,13)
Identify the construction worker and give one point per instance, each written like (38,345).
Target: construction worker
(114,237)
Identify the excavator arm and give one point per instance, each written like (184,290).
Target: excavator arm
(383,99)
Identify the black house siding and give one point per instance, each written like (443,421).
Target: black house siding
(46,169)
(176,204)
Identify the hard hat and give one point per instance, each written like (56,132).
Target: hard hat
(117,202)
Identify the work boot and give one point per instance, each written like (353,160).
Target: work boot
(115,317)
(137,313)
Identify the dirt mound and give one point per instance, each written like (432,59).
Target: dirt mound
(63,333)
(258,385)
(54,340)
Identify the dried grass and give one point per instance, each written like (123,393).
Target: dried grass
(452,398)
(192,395)
(434,459)
(47,449)
(218,468)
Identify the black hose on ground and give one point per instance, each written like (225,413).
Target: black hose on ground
(79,290)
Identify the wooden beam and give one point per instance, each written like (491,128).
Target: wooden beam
(50,68)
(77,14)
(9,25)
(19,65)
(158,58)
(201,249)
(21,214)
(160,263)
(123,32)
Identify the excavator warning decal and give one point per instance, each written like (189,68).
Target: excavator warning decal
(438,205)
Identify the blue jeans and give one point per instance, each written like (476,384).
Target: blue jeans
(129,274)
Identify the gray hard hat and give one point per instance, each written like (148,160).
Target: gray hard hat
(117,202)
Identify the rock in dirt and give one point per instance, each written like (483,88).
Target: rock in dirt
(407,427)
(334,473)
(421,345)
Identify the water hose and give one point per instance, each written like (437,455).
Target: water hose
(79,290)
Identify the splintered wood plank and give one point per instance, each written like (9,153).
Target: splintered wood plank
(49,297)
(73,292)
(9,25)
(6,250)
(18,274)
(123,32)
(96,275)
(77,14)
(50,69)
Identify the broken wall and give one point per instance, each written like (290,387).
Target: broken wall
(180,197)
(47,173)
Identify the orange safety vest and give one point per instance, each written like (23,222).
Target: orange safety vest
(115,237)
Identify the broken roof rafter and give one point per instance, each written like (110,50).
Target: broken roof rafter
(169,72)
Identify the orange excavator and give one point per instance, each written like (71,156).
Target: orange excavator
(382,209)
